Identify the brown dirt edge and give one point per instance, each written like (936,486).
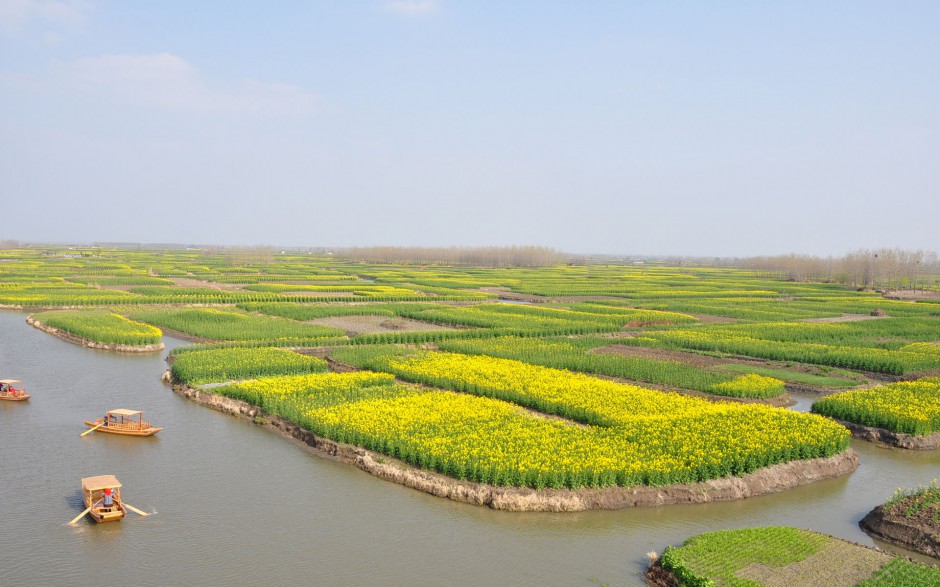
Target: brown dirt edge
(657,576)
(521,499)
(896,529)
(69,337)
(890,438)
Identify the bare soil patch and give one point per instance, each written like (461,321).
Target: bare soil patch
(912,296)
(694,359)
(353,325)
(117,287)
(189,282)
(844,318)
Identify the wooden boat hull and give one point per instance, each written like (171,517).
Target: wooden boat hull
(14,398)
(101,514)
(149,431)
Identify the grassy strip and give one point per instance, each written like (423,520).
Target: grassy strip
(895,362)
(206,366)
(236,326)
(904,573)
(101,326)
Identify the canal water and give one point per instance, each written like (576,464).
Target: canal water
(235,504)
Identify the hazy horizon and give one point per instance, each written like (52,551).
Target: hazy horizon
(620,128)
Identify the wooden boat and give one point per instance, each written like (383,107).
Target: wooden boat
(93,489)
(122,421)
(11,390)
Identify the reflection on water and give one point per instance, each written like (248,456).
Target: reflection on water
(239,505)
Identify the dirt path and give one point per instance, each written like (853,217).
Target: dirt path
(353,325)
(189,282)
(693,359)
(912,296)
(844,318)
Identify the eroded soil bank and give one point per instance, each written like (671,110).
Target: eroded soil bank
(68,336)
(521,499)
(891,438)
(918,533)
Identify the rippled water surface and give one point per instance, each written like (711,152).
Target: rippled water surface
(238,505)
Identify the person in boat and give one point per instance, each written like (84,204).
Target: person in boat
(3,387)
(108,498)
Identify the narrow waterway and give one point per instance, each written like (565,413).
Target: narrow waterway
(237,505)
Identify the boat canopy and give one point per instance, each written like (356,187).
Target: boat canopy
(10,381)
(100,482)
(123,412)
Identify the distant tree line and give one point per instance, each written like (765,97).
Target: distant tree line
(869,269)
(519,256)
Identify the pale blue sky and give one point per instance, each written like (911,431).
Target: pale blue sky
(686,128)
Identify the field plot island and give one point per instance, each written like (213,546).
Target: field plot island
(559,387)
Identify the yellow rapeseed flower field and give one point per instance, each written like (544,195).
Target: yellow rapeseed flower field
(641,436)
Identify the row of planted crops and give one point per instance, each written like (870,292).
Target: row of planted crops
(563,377)
(611,433)
(538,394)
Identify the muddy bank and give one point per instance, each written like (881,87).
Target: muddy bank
(917,533)
(657,576)
(68,336)
(768,480)
(891,438)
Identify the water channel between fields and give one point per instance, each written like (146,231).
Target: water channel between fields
(238,505)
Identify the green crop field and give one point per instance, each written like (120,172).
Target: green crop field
(101,326)
(911,407)
(514,384)
(779,555)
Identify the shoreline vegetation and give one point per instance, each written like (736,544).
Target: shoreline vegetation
(626,382)
(92,344)
(764,481)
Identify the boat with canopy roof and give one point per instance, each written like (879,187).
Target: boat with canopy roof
(123,421)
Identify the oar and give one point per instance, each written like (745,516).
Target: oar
(79,516)
(133,509)
(90,430)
